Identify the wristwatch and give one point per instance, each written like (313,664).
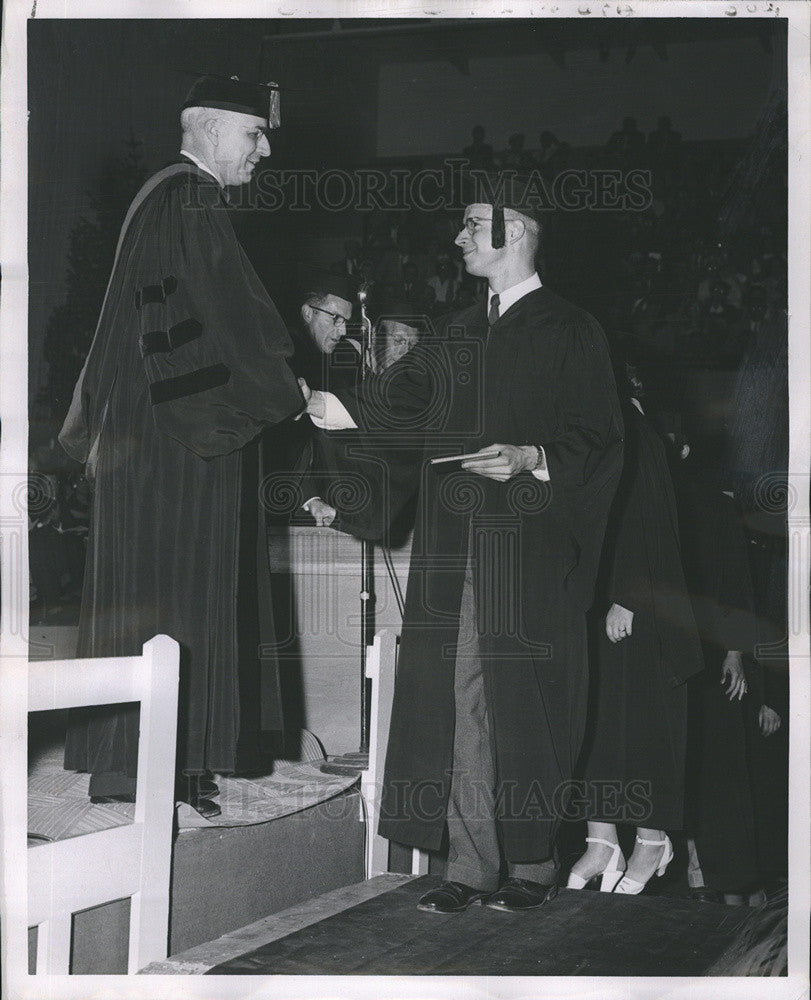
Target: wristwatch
(541,462)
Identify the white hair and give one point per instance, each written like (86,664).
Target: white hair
(193,119)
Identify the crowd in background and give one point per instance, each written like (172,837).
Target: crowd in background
(666,282)
(667,278)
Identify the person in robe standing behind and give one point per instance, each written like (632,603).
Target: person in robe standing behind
(324,356)
(188,365)
(644,650)
(722,847)
(490,693)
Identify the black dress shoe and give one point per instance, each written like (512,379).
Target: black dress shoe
(521,894)
(705,895)
(208,788)
(206,808)
(450,897)
(191,790)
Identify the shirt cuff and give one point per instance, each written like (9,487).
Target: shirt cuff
(541,472)
(336,416)
(306,504)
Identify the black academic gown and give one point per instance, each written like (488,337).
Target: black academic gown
(720,815)
(634,753)
(542,377)
(180,425)
(302,456)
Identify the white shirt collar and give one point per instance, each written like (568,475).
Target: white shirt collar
(510,296)
(197,162)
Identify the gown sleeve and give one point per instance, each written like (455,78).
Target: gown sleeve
(214,348)
(591,423)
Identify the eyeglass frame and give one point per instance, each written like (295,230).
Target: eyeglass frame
(337,319)
(475,219)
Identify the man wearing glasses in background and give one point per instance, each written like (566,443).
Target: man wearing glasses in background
(323,353)
(325,358)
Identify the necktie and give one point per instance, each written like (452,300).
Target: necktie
(492,315)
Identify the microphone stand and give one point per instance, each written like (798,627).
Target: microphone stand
(367,566)
(354,763)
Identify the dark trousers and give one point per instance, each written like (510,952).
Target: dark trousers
(474,857)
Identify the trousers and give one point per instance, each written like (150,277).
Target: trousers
(474,856)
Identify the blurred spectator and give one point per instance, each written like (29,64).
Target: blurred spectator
(443,283)
(417,293)
(350,262)
(664,147)
(627,145)
(549,146)
(720,325)
(394,262)
(479,152)
(469,291)
(515,157)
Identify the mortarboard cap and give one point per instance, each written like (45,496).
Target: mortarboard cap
(233,94)
(504,189)
(325,282)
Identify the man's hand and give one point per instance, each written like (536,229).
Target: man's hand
(323,514)
(313,398)
(618,622)
(768,720)
(511,460)
(307,392)
(732,671)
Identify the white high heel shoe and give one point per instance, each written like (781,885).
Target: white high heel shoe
(630,886)
(611,874)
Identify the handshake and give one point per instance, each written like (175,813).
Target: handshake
(322,513)
(313,399)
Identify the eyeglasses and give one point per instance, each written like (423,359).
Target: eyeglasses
(471,223)
(337,318)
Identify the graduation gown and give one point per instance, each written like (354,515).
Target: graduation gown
(634,753)
(189,363)
(716,564)
(542,377)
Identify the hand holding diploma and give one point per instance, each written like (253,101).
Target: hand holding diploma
(508,461)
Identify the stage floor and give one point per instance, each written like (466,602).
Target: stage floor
(374,928)
(59,806)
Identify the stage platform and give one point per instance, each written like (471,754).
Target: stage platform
(286,837)
(374,928)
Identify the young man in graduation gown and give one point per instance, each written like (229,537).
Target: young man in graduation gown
(490,695)
(189,363)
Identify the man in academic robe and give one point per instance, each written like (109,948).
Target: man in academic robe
(189,363)
(326,358)
(323,353)
(490,694)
